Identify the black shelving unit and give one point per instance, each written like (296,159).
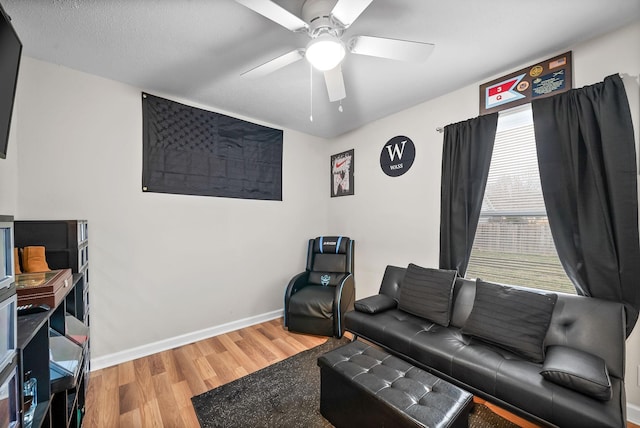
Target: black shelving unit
(66,245)
(46,347)
(55,346)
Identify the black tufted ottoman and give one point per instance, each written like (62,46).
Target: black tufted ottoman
(362,386)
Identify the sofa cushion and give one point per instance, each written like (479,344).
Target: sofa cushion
(375,304)
(393,328)
(313,301)
(512,318)
(577,370)
(427,293)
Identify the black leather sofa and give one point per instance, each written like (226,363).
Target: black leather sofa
(584,348)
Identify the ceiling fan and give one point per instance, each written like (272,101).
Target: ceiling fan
(325,22)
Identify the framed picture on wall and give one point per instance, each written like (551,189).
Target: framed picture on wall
(342,174)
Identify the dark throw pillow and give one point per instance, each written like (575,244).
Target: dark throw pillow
(375,304)
(427,293)
(514,319)
(577,370)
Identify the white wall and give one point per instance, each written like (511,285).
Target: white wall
(396,220)
(161,265)
(9,173)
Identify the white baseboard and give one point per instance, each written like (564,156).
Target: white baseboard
(173,342)
(633,413)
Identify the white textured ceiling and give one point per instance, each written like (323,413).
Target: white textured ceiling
(196,50)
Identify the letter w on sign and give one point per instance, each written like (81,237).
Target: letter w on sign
(397,150)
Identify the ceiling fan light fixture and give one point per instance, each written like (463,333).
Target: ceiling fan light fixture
(325,52)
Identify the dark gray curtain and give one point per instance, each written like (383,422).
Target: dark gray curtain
(587,161)
(466,156)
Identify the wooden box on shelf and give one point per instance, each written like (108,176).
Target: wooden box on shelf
(43,287)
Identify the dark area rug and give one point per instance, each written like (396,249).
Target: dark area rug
(287,394)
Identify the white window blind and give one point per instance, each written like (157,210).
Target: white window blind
(513,243)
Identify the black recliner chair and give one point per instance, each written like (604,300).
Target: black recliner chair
(317,299)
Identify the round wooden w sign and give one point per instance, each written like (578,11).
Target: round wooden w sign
(397,156)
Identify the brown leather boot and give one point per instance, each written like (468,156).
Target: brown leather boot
(34,259)
(16,261)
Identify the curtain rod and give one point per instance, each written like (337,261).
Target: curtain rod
(440,129)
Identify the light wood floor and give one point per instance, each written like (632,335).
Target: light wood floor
(156,391)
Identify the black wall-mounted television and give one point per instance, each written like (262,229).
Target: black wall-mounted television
(10,51)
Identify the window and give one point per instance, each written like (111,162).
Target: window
(513,243)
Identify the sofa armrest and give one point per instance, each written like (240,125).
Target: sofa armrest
(296,283)
(375,304)
(345,295)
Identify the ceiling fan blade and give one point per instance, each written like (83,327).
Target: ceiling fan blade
(335,83)
(274,64)
(277,14)
(347,11)
(402,50)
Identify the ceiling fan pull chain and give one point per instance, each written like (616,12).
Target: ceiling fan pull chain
(310,93)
